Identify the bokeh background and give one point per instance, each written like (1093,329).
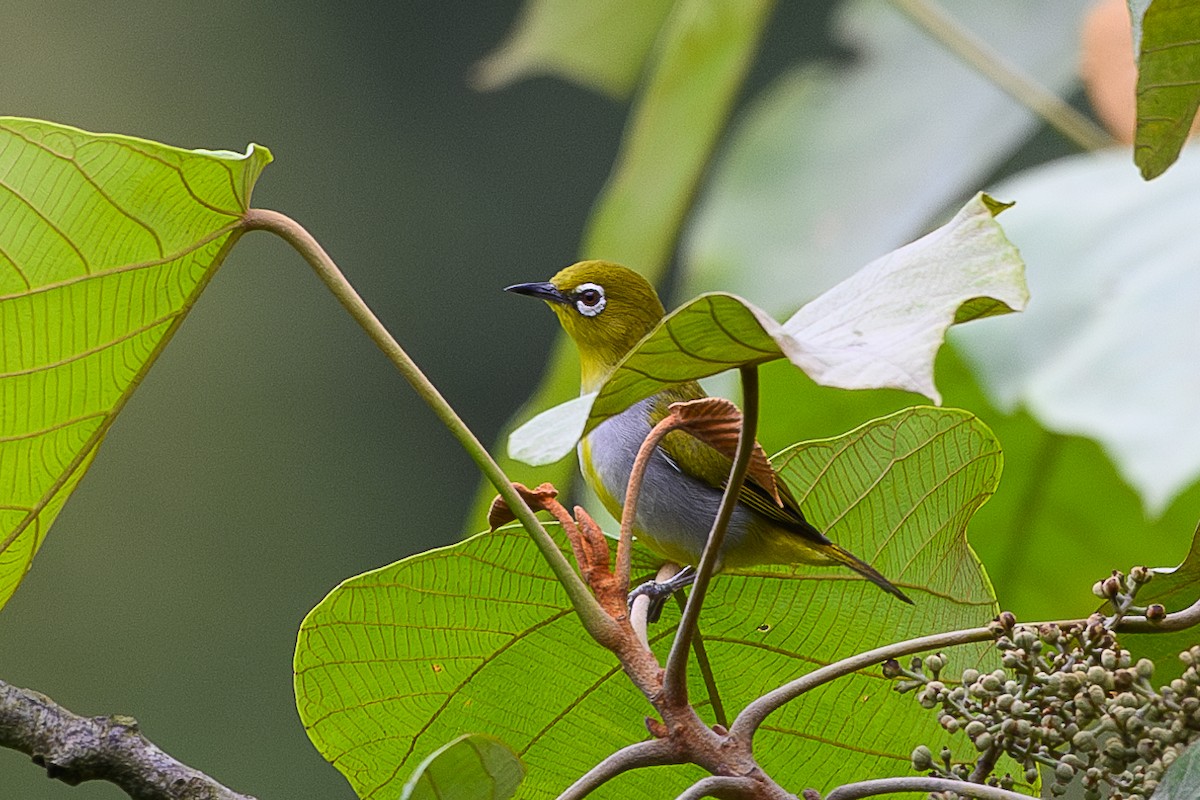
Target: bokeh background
(272,452)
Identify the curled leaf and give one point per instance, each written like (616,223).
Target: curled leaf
(500,514)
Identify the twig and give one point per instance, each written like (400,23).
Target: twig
(601,626)
(747,722)
(633,491)
(854,791)
(722,786)
(1059,114)
(985,764)
(652,753)
(706,672)
(675,678)
(74,749)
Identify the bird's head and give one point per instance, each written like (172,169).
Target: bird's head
(604,307)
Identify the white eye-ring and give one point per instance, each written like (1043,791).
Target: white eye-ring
(589,299)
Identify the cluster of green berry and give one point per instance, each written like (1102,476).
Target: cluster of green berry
(1067,698)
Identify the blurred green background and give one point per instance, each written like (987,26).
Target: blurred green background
(272,452)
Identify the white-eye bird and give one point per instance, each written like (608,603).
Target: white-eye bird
(607,309)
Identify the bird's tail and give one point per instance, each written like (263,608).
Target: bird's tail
(843,556)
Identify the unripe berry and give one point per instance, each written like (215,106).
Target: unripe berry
(922,759)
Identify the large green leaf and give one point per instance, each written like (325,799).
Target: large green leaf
(1062,518)
(1111,261)
(1168,84)
(834,164)
(105,243)
(479,637)
(879,328)
(692,79)
(602,43)
(472,767)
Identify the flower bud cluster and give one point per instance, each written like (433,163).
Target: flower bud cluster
(1067,698)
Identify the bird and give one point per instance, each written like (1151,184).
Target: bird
(606,309)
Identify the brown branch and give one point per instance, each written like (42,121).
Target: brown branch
(74,749)
(633,491)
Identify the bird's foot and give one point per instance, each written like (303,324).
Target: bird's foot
(659,591)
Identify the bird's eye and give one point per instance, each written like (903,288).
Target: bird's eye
(589,299)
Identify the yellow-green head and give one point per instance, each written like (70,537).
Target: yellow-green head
(604,307)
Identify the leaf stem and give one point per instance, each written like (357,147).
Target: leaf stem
(675,678)
(652,753)
(747,722)
(706,671)
(633,491)
(725,787)
(854,791)
(975,52)
(602,627)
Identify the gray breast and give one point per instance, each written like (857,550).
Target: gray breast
(675,511)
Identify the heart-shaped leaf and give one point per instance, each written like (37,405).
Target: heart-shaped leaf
(480,637)
(105,243)
(1168,83)
(472,767)
(880,328)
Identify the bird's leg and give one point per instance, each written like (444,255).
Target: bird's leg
(659,591)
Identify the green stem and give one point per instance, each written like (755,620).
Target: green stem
(602,627)
(1059,114)
(675,677)
(706,671)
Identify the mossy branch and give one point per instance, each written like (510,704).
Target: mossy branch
(74,749)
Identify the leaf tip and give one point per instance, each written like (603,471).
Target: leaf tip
(993,205)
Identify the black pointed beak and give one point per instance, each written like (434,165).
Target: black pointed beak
(544,291)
